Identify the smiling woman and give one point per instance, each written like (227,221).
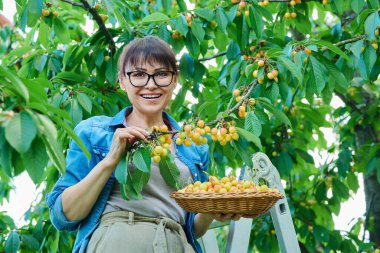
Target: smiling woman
(89,197)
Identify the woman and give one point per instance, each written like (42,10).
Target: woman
(88,197)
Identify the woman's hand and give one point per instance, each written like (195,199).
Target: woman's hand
(123,139)
(203,220)
(224,217)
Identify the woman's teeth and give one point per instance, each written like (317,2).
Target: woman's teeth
(151,96)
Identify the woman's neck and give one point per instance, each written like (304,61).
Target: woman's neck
(144,121)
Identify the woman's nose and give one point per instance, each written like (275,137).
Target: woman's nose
(151,83)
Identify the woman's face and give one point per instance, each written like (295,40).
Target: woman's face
(150,99)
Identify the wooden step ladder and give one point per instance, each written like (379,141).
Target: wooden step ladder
(239,232)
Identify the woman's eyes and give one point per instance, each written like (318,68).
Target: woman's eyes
(138,74)
(162,74)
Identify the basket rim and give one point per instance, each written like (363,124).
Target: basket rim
(226,195)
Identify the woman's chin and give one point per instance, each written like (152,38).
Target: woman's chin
(151,109)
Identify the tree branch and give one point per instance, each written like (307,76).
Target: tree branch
(245,96)
(102,27)
(213,57)
(73,3)
(340,43)
(343,42)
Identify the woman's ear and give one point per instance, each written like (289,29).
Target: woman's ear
(122,82)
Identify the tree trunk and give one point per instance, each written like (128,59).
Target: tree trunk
(371,187)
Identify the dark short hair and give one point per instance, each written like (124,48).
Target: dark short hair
(149,49)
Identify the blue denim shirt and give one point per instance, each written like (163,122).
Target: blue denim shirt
(97,134)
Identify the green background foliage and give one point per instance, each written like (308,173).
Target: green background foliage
(54,73)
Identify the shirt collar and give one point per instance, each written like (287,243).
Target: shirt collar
(118,119)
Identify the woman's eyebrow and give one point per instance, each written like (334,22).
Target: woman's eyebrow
(160,68)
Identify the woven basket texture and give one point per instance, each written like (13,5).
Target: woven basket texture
(247,204)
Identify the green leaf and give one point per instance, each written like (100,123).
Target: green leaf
(373,4)
(356,48)
(242,31)
(70,76)
(75,111)
(34,12)
(20,132)
(197,30)
(199,71)
(186,66)
(140,179)
(221,19)
(84,101)
(1,4)
(15,83)
(121,171)
(333,70)
(182,5)
(221,40)
(233,51)
(192,45)
(30,242)
(352,182)
(339,189)
(369,57)
(321,191)
(284,163)
(331,47)
(305,156)
(317,75)
(35,160)
(13,243)
(142,159)
(20,51)
(111,71)
(357,5)
(53,148)
(5,155)
(378,174)
(44,35)
(336,6)
(39,62)
(155,17)
(343,162)
(72,134)
(277,113)
(371,24)
(249,137)
(61,31)
(181,25)
(205,13)
(293,68)
(256,21)
(253,124)
(169,171)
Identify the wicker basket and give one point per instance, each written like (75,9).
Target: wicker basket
(248,204)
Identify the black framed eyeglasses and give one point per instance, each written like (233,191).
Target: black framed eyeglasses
(160,78)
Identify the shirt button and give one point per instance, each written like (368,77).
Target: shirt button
(103,154)
(201,164)
(196,174)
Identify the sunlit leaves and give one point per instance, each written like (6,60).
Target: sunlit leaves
(20,132)
(13,243)
(169,171)
(155,17)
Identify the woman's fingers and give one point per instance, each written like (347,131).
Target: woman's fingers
(132,134)
(224,217)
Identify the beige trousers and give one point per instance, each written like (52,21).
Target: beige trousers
(123,231)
